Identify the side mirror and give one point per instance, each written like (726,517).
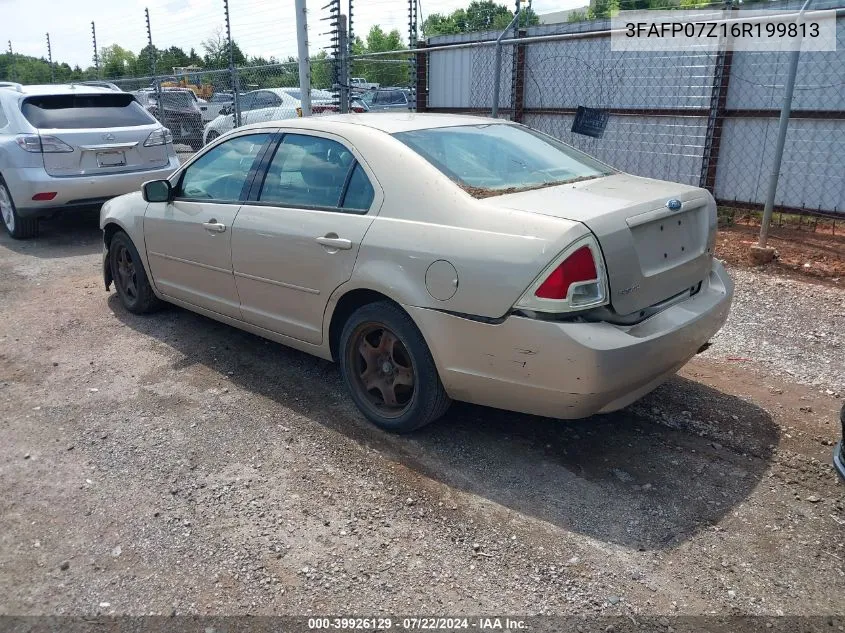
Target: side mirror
(157,191)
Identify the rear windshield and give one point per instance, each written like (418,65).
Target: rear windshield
(177,99)
(72,112)
(494,159)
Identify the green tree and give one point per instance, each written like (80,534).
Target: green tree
(117,62)
(388,70)
(216,49)
(480,15)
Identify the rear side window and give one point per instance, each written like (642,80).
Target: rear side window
(359,193)
(72,112)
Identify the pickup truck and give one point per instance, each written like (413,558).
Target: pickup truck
(360,84)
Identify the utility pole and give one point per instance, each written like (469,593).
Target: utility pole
(343,68)
(152,55)
(304,60)
(761,253)
(96,55)
(233,73)
(50,61)
(413,38)
(12,58)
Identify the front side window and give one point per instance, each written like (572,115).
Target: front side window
(310,171)
(493,159)
(220,173)
(73,112)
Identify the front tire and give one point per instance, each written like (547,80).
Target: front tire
(130,279)
(388,369)
(18,227)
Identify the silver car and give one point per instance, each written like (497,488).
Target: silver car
(66,147)
(436,257)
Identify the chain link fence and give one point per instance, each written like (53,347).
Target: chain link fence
(704,118)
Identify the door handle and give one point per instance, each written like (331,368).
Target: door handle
(333,241)
(213,226)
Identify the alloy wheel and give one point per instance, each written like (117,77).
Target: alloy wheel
(126,274)
(6,208)
(382,369)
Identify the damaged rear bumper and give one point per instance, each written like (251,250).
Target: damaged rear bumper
(569,369)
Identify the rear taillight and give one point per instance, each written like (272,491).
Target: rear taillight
(161,136)
(37,144)
(576,280)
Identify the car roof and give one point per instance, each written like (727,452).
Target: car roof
(389,122)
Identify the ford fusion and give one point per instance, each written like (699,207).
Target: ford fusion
(435,258)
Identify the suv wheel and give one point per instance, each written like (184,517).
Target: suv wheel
(18,227)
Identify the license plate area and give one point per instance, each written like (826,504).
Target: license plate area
(111,159)
(671,240)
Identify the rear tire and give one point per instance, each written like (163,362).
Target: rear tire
(388,369)
(18,227)
(130,279)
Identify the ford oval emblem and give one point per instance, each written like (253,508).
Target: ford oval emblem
(674,204)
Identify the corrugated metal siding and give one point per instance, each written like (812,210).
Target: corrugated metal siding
(812,171)
(668,148)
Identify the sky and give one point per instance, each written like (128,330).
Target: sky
(260,27)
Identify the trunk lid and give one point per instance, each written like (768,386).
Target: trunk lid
(104,151)
(651,252)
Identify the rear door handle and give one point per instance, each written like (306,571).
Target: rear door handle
(335,242)
(213,226)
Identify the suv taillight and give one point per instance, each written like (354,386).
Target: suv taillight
(576,280)
(37,144)
(161,136)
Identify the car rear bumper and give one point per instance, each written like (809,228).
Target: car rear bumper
(567,369)
(76,191)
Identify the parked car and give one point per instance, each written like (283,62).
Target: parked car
(257,106)
(388,99)
(324,102)
(179,112)
(839,451)
(435,257)
(360,84)
(215,104)
(63,147)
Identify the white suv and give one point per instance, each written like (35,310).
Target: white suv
(73,146)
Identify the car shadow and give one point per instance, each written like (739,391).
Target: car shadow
(647,477)
(65,235)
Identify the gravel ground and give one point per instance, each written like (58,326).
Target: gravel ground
(796,329)
(171,464)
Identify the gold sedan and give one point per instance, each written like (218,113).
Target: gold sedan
(435,257)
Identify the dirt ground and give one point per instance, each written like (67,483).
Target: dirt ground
(170,464)
(803,252)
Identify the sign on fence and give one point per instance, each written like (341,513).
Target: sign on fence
(590,122)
